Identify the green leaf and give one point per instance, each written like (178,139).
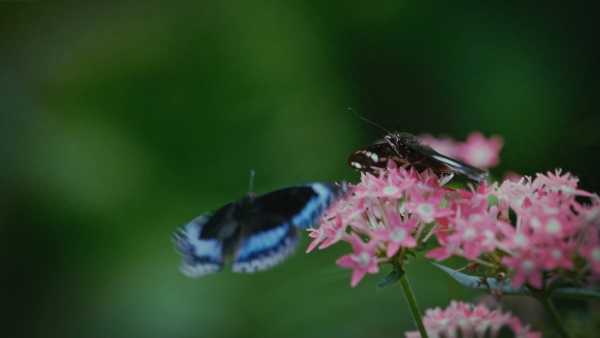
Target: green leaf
(476,282)
(504,286)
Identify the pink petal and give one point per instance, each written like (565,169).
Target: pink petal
(535,279)
(472,250)
(346,262)
(357,276)
(317,239)
(518,280)
(392,248)
(439,254)
(409,242)
(373,268)
(357,243)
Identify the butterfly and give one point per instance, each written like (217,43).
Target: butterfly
(406,149)
(254,233)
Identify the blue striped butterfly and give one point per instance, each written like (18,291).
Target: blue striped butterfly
(254,233)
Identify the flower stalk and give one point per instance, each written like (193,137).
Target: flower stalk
(556,320)
(412,305)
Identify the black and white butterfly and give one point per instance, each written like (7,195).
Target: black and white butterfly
(406,149)
(253,233)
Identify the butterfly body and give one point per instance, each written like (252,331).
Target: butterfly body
(406,150)
(253,233)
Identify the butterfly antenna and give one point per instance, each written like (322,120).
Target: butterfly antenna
(373,123)
(251,184)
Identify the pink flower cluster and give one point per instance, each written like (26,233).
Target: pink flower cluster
(550,233)
(391,211)
(537,230)
(466,320)
(477,150)
(553,230)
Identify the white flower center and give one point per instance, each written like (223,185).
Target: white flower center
(398,235)
(469,234)
(425,210)
(520,240)
(528,265)
(567,190)
(553,226)
(535,223)
(363,259)
(556,254)
(475,218)
(443,322)
(390,190)
(519,201)
(481,156)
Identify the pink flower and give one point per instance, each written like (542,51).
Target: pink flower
(393,185)
(560,255)
(444,146)
(477,234)
(363,260)
(330,232)
(470,321)
(512,176)
(527,267)
(555,182)
(474,229)
(481,152)
(397,234)
(427,206)
(476,150)
(515,194)
(545,220)
(533,228)
(318,236)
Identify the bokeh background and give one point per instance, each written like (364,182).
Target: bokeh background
(119,122)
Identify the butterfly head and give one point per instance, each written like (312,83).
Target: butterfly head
(401,142)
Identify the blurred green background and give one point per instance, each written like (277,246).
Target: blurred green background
(119,122)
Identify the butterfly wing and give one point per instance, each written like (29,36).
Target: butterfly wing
(205,241)
(374,157)
(269,232)
(444,164)
(301,206)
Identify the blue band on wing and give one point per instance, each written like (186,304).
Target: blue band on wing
(263,250)
(262,241)
(200,256)
(315,206)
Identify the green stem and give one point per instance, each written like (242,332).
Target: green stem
(551,309)
(412,304)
